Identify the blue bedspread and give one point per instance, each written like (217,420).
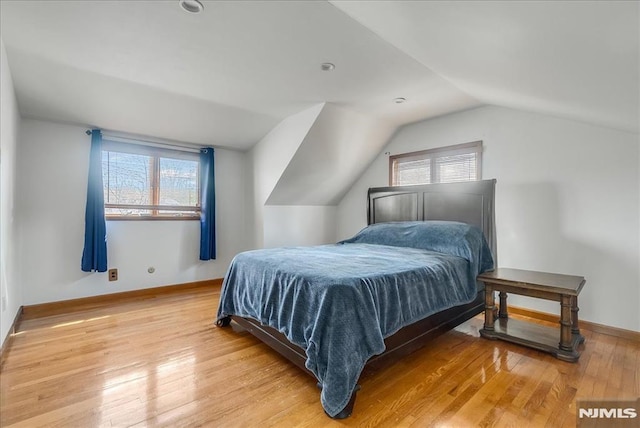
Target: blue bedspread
(339,302)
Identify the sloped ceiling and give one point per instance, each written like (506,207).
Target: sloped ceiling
(228,76)
(225,77)
(331,156)
(572,59)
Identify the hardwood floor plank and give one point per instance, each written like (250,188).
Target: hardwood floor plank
(483,407)
(631,379)
(161,362)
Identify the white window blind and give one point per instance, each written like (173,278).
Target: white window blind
(461,162)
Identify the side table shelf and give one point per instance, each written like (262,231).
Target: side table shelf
(562,344)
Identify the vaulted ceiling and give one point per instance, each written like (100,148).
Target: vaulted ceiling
(230,74)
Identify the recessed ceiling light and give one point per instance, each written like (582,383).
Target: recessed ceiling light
(327,66)
(191,6)
(399,100)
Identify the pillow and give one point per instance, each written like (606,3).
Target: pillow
(449,237)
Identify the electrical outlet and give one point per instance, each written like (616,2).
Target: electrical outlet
(113,274)
(4,303)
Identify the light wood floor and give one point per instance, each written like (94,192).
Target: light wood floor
(161,362)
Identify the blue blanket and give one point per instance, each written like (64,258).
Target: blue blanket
(339,302)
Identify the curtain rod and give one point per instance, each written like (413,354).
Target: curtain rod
(120,138)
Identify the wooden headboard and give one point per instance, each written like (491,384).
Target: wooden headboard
(469,202)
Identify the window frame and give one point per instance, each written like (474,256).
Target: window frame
(155,153)
(433,154)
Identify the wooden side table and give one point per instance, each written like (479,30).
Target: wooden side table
(560,288)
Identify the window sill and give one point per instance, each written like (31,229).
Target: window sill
(150,218)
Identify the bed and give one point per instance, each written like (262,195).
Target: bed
(409,276)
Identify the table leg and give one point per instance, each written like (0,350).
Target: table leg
(489,307)
(503,305)
(575,328)
(566,343)
(574,315)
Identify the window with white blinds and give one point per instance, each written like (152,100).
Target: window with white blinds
(461,162)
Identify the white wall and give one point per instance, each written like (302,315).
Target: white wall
(10,292)
(303,167)
(567,200)
(288,226)
(52,182)
(267,161)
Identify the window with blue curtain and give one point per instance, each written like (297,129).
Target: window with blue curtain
(94,255)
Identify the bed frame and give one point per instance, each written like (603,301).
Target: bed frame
(468,202)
